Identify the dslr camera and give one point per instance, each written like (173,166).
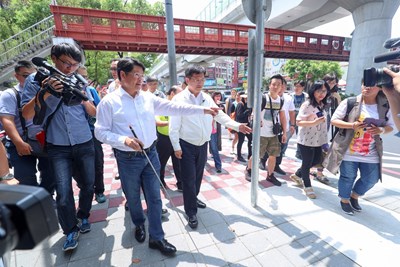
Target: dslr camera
(73,85)
(377,77)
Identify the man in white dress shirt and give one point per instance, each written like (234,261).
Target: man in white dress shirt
(189,137)
(131,107)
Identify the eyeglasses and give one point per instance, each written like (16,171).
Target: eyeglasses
(137,75)
(24,75)
(198,80)
(113,69)
(321,91)
(69,65)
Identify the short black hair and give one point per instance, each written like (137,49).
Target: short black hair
(126,65)
(316,86)
(172,90)
(301,82)
(194,69)
(66,49)
(276,76)
(151,79)
(23,64)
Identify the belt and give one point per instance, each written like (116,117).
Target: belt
(137,153)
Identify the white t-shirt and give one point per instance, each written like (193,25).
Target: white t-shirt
(313,136)
(266,118)
(288,105)
(362,148)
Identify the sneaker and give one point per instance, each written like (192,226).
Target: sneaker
(296,179)
(100,198)
(278,170)
(247,175)
(272,179)
(71,241)
(354,204)
(84,225)
(116,176)
(241,159)
(310,192)
(346,207)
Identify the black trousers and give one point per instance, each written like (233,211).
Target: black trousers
(165,150)
(240,143)
(98,166)
(311,156)
(192,166)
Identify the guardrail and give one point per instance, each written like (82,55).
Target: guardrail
(26,42)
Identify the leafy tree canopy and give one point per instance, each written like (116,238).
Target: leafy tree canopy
(16,15)
(299,69)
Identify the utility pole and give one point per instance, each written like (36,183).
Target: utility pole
(171,43)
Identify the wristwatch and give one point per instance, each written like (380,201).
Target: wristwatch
(8,176)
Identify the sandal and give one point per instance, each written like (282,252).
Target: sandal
(296,179)
(323,179)
(310,192)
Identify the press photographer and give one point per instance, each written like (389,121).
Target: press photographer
(387,78)
(68,137)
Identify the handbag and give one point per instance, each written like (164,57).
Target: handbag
(38,144)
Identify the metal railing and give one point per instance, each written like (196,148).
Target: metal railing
(28,41)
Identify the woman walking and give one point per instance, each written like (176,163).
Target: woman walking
(312,134)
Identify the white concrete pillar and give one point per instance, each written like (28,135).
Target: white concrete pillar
(373,26)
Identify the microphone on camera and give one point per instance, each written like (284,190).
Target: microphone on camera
(391,43)
(41,62)
(387,56)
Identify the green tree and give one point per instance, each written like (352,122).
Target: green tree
(300,68)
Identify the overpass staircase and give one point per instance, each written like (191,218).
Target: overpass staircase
(35,40)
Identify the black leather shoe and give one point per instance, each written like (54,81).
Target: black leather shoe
(163,246)
(193,222)
(278,170)
(201,204)
(140,233)
(164,211)
(126,206)
(354,204)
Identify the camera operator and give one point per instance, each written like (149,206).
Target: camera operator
(393,96)
(69,140)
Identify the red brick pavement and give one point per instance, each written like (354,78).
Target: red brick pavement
(232,176)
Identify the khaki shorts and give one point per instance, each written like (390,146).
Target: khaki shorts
(270,145)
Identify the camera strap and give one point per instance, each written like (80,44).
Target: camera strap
(274,119)
(40,112)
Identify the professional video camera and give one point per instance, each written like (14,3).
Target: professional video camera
(27,217)
(73,85)
(378,77)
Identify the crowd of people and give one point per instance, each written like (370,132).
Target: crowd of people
(145,127)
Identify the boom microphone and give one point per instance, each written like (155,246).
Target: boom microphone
(391,43)
(41,62)
(387,56)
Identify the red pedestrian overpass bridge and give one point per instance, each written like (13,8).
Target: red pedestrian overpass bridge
(118,31)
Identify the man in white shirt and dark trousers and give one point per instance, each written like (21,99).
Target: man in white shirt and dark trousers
(189,137)
(130,108)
